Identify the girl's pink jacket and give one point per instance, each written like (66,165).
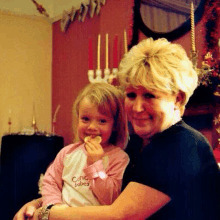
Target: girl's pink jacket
(70,181)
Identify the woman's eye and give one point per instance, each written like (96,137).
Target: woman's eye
(85,119)
(131,95)
(102,121)
(149,96)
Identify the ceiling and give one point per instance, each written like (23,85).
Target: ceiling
(53,7)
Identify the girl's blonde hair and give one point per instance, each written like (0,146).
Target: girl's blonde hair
(108,99)
(159,65)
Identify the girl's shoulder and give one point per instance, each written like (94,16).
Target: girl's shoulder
(116,153)
(70,148)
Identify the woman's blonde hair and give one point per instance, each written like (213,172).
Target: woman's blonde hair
(108,99)
(159,65)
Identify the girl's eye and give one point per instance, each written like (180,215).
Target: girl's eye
(149,96)
(131,95)
(102,121)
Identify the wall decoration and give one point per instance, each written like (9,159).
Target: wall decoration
(65,21)
(40,8)
(79,11)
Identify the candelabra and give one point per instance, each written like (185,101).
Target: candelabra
(107,75)
(96,76)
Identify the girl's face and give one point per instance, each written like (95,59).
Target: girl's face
(149,112)
(92,122)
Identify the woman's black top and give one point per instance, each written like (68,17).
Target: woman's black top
(178,162)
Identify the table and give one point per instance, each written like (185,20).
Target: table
(23,159)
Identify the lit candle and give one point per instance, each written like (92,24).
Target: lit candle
(115,52)
(9,119)
(90,54)
(125,41)
(98,52)
(192,28)
(106,51)
(9,122)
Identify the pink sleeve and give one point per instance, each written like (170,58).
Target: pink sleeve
(106,184)
(52,182)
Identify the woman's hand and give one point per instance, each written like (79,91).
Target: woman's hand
(27,210)
(95,151)
(35,215)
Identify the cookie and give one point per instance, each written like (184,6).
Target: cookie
(97,139)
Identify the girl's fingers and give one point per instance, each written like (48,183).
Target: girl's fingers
(89,147)
(96,145)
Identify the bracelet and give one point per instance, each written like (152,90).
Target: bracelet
(38,202)
(45,212)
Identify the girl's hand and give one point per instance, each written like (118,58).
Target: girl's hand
(94,150)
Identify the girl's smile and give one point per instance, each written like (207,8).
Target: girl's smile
(94,123)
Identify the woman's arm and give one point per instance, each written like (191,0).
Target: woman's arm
(137,202)
(28,209)
(52,182)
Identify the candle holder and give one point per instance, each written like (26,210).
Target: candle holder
(194,58)
(96,76)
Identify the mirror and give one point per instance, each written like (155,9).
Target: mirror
(164,18)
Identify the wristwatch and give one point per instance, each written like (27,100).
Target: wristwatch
(45,212)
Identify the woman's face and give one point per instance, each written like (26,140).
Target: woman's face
(149,112)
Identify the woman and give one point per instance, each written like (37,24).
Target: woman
(172,173)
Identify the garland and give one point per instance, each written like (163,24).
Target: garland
(210,71)
(211,20)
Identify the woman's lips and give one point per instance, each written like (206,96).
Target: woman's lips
(140,119)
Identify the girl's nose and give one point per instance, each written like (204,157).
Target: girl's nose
(138,105)
(92,125)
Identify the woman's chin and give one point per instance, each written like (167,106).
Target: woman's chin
(142,132)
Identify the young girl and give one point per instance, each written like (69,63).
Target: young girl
(89,172)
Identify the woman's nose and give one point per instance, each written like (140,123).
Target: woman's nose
(138,105)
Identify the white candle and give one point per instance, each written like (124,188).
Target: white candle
(98,52)
(125,41)
(106,51)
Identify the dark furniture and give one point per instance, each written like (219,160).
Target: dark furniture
(23,159)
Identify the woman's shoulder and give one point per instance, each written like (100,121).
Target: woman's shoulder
(181,131)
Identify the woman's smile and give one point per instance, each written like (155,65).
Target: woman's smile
(149,112)
(140,121)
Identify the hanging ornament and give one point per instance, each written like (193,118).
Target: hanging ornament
(40,8)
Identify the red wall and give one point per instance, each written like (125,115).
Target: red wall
(70,55)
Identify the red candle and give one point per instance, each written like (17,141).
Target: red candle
(115,52)
(90,54)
